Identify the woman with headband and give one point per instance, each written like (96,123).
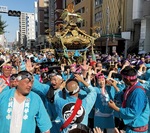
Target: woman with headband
(103,114)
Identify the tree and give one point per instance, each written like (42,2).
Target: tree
(2,26)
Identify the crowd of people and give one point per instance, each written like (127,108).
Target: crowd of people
(107,94)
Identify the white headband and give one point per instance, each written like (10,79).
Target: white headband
(59,76)
(74,91)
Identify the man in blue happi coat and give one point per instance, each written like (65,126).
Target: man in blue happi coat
(135,106)
(65,102)
(47,92)
(21,110)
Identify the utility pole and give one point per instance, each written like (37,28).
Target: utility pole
(107,28)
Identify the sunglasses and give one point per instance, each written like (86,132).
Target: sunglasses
(7,67)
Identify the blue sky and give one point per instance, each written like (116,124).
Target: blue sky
(13,22)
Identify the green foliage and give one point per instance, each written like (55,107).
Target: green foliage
(2,25)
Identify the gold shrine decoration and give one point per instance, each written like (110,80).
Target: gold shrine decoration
(70,8)
(48,50)
(70,37)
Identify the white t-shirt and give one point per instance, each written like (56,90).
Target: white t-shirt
(17,116)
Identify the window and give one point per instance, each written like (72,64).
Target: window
(45,15)
(98,2)
(81,24)
(78,11)
(46,5)
(45,9)
(77,1)
(82,10)
(98,16)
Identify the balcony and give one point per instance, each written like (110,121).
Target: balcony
(146,9)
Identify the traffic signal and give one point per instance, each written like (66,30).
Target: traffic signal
(14,13)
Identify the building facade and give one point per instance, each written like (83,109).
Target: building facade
(55,9)
(43,16)
(106,17)
(52,17)
(27,29)
(43,22)
(3,41)
(138,24)
(30,20)
(144,43)
(22,29)
(109,18)
(48,19)
(36,18)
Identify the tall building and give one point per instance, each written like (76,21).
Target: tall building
(43,22)
(58,5)
(133,24)
(36,23)
(106,17)
(48,19)
(30,20)
(17,35)
(27,29)
(43,16)
(52,17)
(55,9)
(109,18)
(117,16)
(36,18)
(144,42)
(2,41)
(22,29)
(138,23)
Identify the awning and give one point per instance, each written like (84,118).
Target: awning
(116,37)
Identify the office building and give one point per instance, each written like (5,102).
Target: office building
(27,29)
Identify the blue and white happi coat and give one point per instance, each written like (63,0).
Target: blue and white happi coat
(136,113)
(103,114)
(34,113)
(64,107)
(42,90)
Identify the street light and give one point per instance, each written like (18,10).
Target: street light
(107,29)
